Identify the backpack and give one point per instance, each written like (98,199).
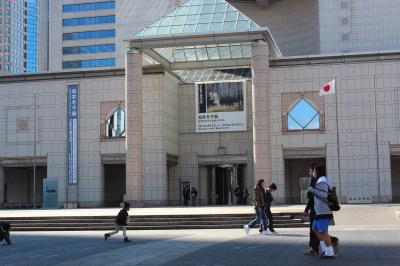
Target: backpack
(333,200)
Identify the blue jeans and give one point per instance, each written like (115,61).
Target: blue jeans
(260,215)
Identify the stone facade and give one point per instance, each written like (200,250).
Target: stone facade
(174,152)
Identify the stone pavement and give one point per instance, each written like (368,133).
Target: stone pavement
(234,209)
(369,235)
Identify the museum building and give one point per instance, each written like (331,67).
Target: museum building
(206,100)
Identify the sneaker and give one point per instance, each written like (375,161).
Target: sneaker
(246,229)
(266,232)
(328,253)
(310,252)
(126,240)
(273,231)
(106,236)
(324,256)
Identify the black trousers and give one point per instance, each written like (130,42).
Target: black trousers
(6,236)
(314,241)
(270,219)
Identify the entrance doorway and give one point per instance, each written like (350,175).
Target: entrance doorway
(18,186)
(114,184)
(223,182)
(395,165)
(296,178)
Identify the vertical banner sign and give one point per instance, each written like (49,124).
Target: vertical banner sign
(221,106)
(73,133)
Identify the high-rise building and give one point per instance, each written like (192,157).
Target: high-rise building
(13,40)
(23,36)
(32,36)
(82,34)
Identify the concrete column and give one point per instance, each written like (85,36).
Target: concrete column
(1,187)
(261,112)
(134,133)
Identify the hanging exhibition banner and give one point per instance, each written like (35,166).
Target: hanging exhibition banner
(221,106)
(73,133)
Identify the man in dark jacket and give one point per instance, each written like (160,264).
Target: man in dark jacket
(268,201)
(120,223)
(5,233)
(186,195)
(310,212)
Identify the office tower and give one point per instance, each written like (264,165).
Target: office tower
(13,37)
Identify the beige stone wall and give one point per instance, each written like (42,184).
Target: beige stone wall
(170,124)
(356,112)
(16,103)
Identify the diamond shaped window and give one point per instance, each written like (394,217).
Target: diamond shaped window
(303,116)
(115,124)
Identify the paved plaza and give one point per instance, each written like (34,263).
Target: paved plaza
(369,235)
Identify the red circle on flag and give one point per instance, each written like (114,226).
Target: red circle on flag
(327,88)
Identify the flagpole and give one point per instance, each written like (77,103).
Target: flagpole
(377,144)
(34,150)
(337,140)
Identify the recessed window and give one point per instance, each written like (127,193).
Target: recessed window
(303,116)
(115,124)
(89,20)
(345,37)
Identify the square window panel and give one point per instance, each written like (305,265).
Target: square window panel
(229,26)
(201,53)
(212,52)
(215,26)
(231,16)
(205,18)
(192,19)
(207,9)
(189,28)
(202,28)
(176,29)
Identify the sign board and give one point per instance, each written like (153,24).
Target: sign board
(221,106)
(73,103)
(50,194)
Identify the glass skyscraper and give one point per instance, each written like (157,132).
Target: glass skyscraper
(32,36)
(19,36)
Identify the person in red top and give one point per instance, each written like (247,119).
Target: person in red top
(120,223)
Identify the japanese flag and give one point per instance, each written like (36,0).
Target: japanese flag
(329,88)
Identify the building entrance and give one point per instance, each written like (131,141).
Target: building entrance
(114,184)
(395,165)
(297,179)
(223,181)
(18,186)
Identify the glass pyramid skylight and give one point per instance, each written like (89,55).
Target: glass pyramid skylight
(200,16)
(229,35)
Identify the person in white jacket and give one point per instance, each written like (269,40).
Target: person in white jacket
(324,214)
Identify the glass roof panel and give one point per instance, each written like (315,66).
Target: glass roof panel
(205,52)
(201,75)
(195,12)
(201,16)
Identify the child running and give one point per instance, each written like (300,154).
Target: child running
(120,223)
